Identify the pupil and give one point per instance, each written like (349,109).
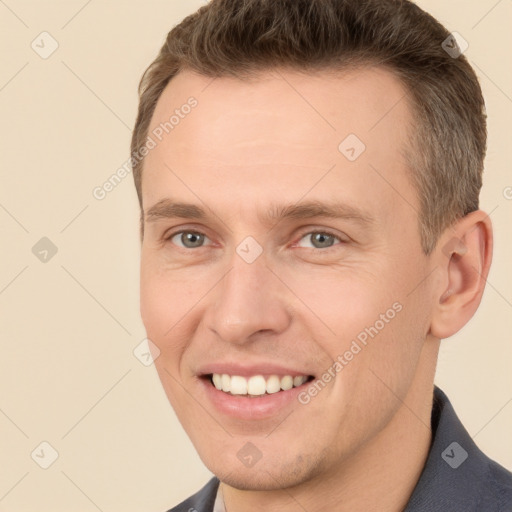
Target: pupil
(193,238)
(322,237)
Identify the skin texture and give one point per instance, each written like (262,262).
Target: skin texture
(362,441)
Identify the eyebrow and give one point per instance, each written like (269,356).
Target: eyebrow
(167,208)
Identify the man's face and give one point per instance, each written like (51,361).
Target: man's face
(254,294)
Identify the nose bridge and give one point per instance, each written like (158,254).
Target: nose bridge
(249,299)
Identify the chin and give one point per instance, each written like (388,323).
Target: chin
(266,476)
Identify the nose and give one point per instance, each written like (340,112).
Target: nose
(250,300)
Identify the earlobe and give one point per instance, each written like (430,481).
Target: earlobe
(463,254)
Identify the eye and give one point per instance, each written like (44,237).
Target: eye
(320,239)
(187,239)
(195,239)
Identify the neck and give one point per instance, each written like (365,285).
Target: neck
(380,477)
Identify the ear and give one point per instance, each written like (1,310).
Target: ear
(464,254)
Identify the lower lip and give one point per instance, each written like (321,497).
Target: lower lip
(251,408)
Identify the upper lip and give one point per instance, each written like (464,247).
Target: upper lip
(248,370)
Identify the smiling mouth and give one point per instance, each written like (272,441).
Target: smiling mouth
(256,385)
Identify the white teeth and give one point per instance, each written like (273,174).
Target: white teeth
(217,380)
(226,382)
(298,381)
(256,385)
(238,385)
(273,384)
(287,382)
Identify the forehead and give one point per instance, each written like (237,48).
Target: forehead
(319,107)
(283,127)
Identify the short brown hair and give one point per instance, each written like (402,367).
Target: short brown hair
(242,37)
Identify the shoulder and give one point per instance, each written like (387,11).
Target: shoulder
(201,501)
(496,492)
(457,474)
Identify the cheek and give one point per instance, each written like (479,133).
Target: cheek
(170,308)
(161,307)
(342,303)
(160,312)
(370,320)
(165,295)
(154,296)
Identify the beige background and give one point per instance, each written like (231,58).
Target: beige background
(68,375)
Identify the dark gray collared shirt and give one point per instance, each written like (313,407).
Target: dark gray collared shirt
(457,477)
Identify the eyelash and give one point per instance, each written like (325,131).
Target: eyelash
(301,236)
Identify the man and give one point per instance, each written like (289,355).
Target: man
(308,174)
